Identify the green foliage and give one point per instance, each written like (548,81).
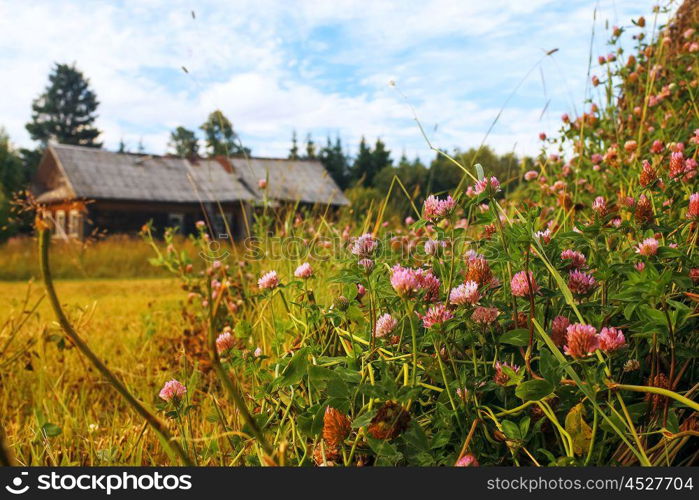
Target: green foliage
(220,138)
(369,162)
(335,161)
(184,143)
(66,111)
(294,150)
(310,148)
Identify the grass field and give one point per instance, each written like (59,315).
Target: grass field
(115,256)
(128,323)
(553,326)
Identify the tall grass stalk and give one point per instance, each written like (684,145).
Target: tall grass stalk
(154,422)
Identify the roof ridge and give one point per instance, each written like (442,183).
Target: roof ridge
(156,155)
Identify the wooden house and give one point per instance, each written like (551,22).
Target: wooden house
(83,189)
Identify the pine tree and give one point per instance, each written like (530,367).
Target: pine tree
(370,162)
(294,151)
(362,166)
(381,156)
(184,142)
(333,158)
(310,148)
(66,111)
(221,139)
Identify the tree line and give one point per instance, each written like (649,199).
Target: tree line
(66,112)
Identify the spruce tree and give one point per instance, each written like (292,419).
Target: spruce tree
(66,111)
(310,148)
(333,158)
(294,151)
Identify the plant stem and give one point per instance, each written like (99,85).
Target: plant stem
(158,426)
(656,390)
(231,388)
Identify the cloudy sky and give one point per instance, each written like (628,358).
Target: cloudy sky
(319,67)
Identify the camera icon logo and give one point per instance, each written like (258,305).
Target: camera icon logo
(16,487)
(216,251)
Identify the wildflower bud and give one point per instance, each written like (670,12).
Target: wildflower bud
(693,210)
(172,391)
(341,303)
(367,264)
(581,340)
(468,460)
(559,329)
(647,247)
(499,436)
(385,325)
(304,271)
(224,342)
(611,339)
(581,283)
(268,281)
(523,285)
(364,246)
(503,372)
(694,275)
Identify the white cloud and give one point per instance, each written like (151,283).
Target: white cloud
(319,67)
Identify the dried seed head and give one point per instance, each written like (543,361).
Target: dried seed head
(631,365)
(644,210)
(479,271)
(341,303)
(332,455)
(390,421)
(661,381)
(336,427)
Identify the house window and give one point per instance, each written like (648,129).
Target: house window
(221,225)
(75,224)
(60,227)
(175,220)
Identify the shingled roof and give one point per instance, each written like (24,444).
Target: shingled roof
(290,180)
(90,173)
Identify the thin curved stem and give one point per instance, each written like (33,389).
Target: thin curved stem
(657,390)
(158,425)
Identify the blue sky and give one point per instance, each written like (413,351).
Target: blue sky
(320,67)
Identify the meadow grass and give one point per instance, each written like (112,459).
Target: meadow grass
(128,323)
(114,256)
(553,326)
